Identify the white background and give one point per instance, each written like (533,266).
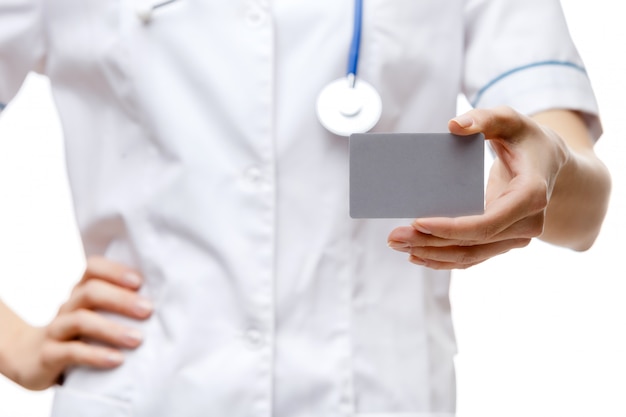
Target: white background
(541,331)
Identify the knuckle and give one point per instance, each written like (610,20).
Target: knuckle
(489,231)
(79,293)
(71,353)
(75,290)
(466,258)
(510,116)
(49,358)
(464,243)
(74,352)
(538,195)
(419,251)
(91,289)
(533,226)
(80,321)
(52,330)
(505,111)
(467,266)
(437,266)
(87,294)
(65,307)
(536,228)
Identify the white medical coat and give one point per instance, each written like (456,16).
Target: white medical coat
(194,155)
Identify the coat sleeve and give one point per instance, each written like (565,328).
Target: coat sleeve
(22,44)
(520,54)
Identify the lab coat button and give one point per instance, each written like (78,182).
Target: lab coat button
(253,175)
(254,17)
(255,338)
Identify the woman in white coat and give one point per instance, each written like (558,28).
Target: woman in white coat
(224,276)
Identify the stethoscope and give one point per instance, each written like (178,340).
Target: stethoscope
(345,106)
(350,105)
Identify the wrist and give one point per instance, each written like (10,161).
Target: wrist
(14,329)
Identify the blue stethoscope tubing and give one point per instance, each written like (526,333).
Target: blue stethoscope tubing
(355,45)
(350,105)
(345,106)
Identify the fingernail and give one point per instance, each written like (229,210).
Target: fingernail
(114,358)
(143,306)
(132,337)
(398,245)
(464,121)
(132,279)
(421,228)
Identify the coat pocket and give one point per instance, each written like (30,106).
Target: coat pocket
(69,402)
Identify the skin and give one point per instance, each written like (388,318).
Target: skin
(35,357)
(546,182)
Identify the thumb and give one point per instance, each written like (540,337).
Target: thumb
(463,125)
(497,123)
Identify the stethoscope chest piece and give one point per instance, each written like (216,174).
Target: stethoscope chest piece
(344,108)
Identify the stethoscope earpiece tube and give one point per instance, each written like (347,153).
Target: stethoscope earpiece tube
(355,46)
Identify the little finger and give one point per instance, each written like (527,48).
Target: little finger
(466,255)
(61,355)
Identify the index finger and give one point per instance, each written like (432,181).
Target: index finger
(102,268)
(517,202)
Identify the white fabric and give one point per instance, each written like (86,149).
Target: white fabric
(194,155)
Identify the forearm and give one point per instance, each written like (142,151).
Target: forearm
(11,325)
(578,203)
(580,196)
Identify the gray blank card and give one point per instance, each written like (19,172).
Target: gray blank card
(408,175)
